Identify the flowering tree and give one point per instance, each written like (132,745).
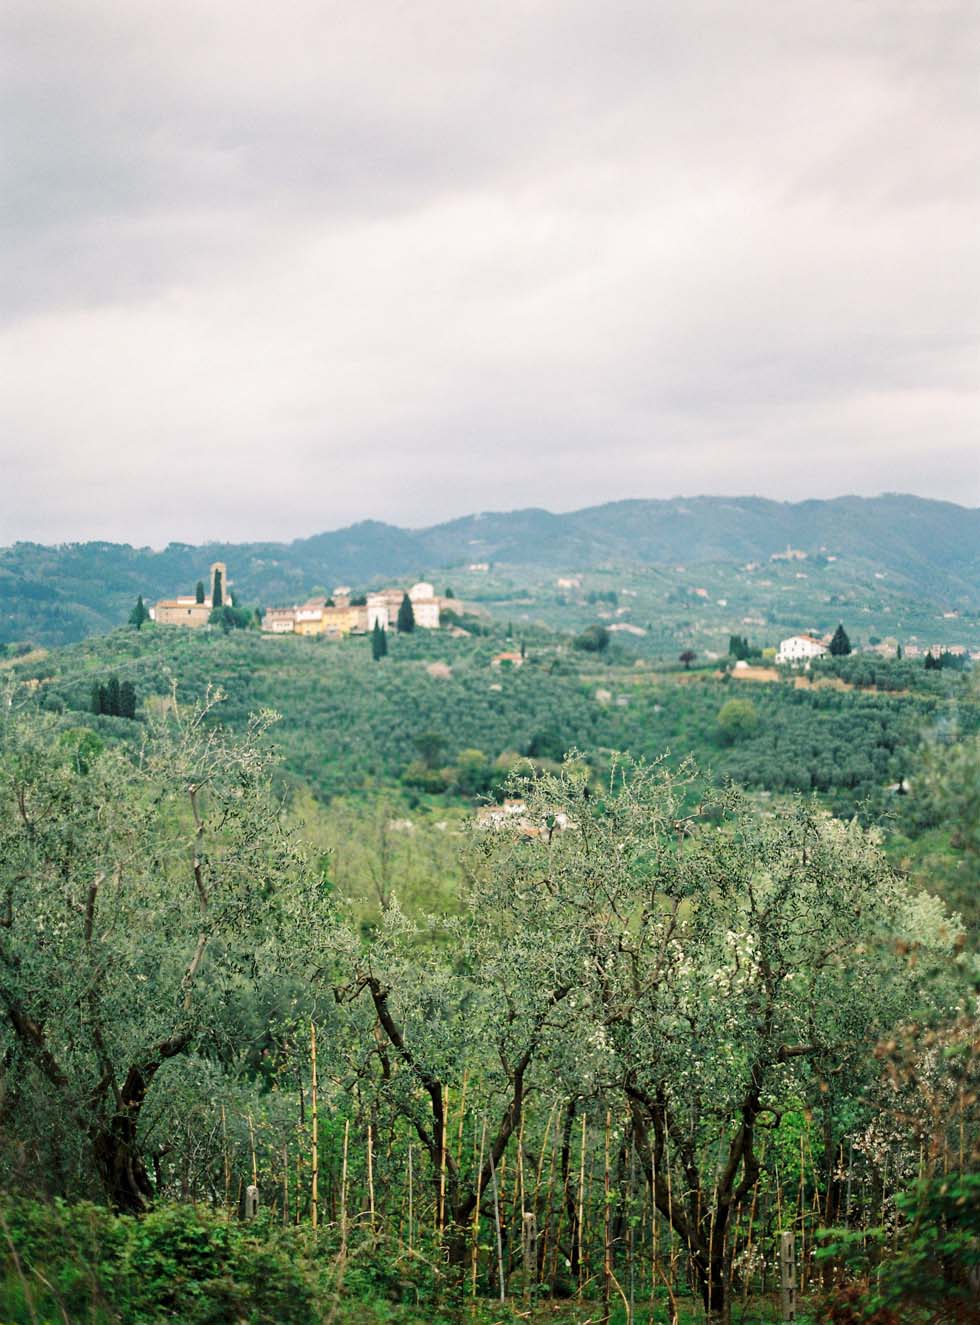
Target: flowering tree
(721,962)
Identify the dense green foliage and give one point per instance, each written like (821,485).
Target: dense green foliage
(145,893)
(406,616)
(347,726)
(621,977)
(379,642)
(113,699)
(181,1262)
(594,639)
(840,645)
(229,618)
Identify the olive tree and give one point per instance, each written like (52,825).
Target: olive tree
(140,894)
(721,962)
(436,1001)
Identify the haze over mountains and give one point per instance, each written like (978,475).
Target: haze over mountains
(929,549)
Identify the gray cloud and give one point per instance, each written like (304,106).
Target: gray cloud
(267,270)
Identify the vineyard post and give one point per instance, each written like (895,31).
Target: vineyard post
(315,1137)
(370,1173)
(606,1233)
(787,1278)
(476,1208)
(581,1212)
(496,1220)
(410,1194)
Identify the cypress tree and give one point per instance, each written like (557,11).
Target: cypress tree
(127,700)
(199,592)
(103,700)
(216,598)
(840,645)
(112,697)
(139,614)
(406,616)
(97,694)
(379,642)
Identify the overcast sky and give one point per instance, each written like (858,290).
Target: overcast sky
(272,268)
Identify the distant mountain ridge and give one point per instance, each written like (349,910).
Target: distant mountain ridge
(929,548)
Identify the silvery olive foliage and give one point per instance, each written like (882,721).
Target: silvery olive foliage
(438,1005)
(142,895)
(724,963)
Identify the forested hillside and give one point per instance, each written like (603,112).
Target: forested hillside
(927,549)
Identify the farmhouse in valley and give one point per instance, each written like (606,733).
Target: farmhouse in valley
(800,649)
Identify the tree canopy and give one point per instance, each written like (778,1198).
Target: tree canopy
(723,964)
(406,616)
(144,893)
(139,614)
(840,645)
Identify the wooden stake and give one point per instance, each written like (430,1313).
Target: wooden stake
(606,1203)
(711,1222)
(227,1162)
(631,1231)
(343,1191)
(581,1211)
(475,1252)
(670,1226)
(496,1217)
(314,1119)
(441,1206)
(251,1142)
(410,1184)
(549,1199)
(462,1118)
(370,1172)
(802,1216)
(655,1222)
(285,1183)
(787,1277)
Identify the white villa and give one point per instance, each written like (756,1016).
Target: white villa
(800,649)
(383,607)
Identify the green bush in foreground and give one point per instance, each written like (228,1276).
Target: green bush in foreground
(179,1262)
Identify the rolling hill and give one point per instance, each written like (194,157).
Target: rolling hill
(929,549)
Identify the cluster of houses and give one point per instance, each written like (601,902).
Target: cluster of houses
(341,615)
(803,648)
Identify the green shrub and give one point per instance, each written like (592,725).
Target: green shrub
(180,1262)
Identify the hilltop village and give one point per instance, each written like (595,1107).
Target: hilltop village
(342,614)
(338,615)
